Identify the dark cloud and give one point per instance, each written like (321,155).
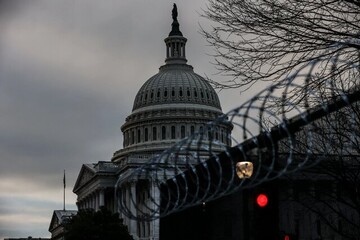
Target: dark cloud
(69,72)
(8,7)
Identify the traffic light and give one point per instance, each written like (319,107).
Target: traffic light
(265,215)
(262,200)
(288,236)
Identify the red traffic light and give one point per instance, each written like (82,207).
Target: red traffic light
(286,237)
(262,200)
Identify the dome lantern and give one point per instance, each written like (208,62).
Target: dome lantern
(175,42)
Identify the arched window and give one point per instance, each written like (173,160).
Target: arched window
(182,131)
(192,130)
(180,92)
(154,134)
(163,132)
(210,133)
(188,92)
(165,93)
(195,93)
(173,133)
(173,92)
(146,134)
(201,131)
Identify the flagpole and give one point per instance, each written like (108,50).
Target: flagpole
(64,181)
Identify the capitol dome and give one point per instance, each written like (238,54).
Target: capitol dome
(176,84)
(171,105)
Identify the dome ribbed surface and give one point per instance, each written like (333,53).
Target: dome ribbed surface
(176,84)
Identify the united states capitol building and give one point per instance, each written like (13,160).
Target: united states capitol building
(171,105)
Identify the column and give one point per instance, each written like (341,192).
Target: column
(167,50)
(87,202)
(93,203)
(132,208)
(155,224)
(96,200)
(183,47)
(102,198)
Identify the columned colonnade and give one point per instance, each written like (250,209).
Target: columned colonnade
(94,200)
(138,197)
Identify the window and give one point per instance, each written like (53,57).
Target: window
(182,131)
(192,130)
(180,92)
(154,134)
(165,93)
(188,93)
(146,135)
(210,133)
(173,132)
(132,137)
(163,132)
(195,93)
(138,136)
(173,92)
(201,131)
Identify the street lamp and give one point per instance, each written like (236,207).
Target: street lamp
(244,169)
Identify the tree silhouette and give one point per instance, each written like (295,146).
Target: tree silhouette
(100,225)
(266,40)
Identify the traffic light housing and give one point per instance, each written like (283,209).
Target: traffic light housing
(265,223)
(288,236)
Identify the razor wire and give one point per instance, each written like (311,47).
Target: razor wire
(278,131)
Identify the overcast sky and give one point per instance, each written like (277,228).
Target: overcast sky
(69,72)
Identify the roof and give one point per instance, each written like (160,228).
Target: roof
(89,171)
(59,216)
(176,83)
